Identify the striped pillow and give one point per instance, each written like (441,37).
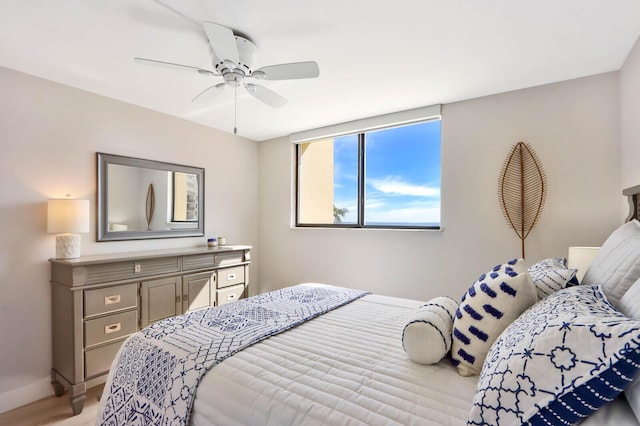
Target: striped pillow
(426,338)
(551,275)
(489,306)
(617,265)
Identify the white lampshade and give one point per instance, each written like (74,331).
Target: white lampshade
(580,258)
(67,217)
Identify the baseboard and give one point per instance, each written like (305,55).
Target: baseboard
(27,394)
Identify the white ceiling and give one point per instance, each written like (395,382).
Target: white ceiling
(375,57)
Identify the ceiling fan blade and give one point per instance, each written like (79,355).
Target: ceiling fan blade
(209,93)
(265,95)
(222,41)
(171,65)
(177,12)
(292,71)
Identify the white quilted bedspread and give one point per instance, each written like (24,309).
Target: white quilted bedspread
(346,367)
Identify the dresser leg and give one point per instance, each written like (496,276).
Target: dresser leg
(77,395)
(58,388)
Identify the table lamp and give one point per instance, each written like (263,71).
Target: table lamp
(580,258)
(67,218)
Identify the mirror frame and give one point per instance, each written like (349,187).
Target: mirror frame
(103,204)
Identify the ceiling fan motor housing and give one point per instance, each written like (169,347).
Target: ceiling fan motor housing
(247,53)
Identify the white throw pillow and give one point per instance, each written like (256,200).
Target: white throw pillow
(489,306)
(632,394)
(629,305)
(426,338)
(617,266)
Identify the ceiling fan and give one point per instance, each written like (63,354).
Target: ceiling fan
(233,58)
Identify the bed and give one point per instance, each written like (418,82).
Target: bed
(347,363)
(345,367)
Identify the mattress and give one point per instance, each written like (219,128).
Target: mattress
(346,367)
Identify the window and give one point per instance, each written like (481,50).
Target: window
(387,178)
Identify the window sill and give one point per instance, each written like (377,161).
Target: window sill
(345,228)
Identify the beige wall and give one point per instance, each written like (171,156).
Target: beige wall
(630,118)
(572,125)
(49,135)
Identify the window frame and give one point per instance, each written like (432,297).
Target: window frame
(360,224)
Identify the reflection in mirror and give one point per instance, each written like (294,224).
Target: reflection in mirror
(140,199)
(185,197)
(151,205)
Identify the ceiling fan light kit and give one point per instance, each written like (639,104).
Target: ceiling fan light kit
(233,58)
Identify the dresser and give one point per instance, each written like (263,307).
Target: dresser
(97,301)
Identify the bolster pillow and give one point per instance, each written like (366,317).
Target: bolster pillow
(426,337)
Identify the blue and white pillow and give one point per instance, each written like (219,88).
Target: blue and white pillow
(491,303)
(426,337)
(551,275)
(558,362)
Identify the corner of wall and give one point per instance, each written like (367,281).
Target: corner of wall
(629,87)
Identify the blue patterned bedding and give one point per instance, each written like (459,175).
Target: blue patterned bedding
(154,378)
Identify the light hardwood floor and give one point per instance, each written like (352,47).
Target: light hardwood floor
(54,411)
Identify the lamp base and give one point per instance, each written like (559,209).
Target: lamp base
(67,246)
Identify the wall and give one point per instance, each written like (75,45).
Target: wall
(572,125)
(49,135)
(630,118)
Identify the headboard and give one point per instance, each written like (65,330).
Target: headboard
(633,193)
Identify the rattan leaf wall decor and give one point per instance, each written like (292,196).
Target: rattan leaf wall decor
(522,189)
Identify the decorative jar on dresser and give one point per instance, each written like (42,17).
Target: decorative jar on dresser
(97,301)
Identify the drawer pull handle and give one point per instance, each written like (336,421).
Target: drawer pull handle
(112,328)
(231,296)
(110,300)
(231,277)
(185,297)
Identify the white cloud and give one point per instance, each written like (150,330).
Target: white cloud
(405,215)
(395,186)
(374,205)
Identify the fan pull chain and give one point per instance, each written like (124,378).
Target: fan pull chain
(235,111)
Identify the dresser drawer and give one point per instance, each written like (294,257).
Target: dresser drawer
(230,276)
(117,271)
(198,261)
(111,327)
(110,299)
(230,258)
(98,360)
(230,294)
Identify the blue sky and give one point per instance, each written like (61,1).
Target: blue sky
(402,175)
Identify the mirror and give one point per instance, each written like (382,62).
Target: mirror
(140,199)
